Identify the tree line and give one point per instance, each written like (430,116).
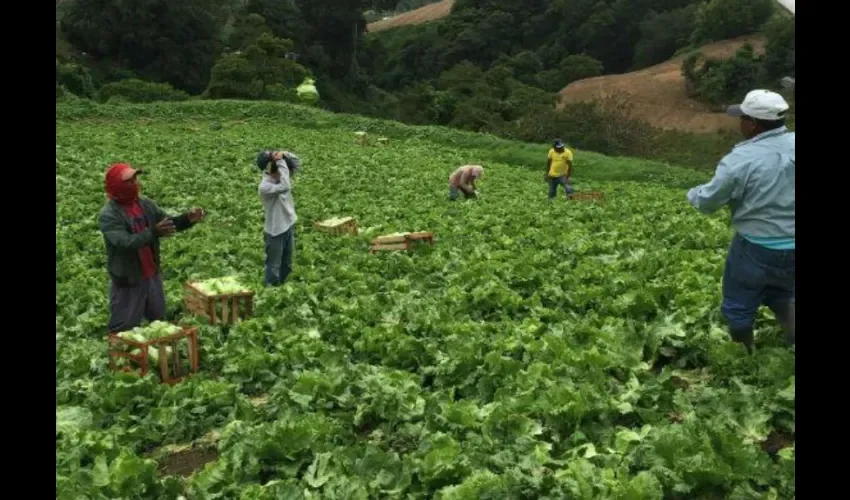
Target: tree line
(491,65)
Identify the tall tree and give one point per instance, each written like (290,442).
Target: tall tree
(174,41)
(337,26)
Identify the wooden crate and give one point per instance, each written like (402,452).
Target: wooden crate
(362,138)
(588,195)
(218,309)
(170,370)
(400,242)
(344,225)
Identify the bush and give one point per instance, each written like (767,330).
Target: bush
(138,91)
(74,78)
(724,19)
(606,126)
(234,77)
(258,72)
(722,81)
(279,92)
(780,49)
(661,35)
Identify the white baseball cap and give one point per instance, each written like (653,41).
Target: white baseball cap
(761,105)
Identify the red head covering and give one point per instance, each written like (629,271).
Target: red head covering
(117,187)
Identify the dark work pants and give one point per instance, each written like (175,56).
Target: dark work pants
(554,182)
(756,276)
(279,253)
(129,305)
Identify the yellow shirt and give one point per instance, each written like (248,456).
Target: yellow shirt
(559,165)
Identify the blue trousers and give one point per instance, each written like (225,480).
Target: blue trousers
(554,182)
(756,276)
(454,193)
(279,251)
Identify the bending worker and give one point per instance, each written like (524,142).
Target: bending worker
(463,180)
(756,180)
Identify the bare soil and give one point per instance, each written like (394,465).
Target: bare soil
(187,462)
(430,12)
(658,92)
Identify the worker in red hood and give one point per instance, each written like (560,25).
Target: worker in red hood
(132,227)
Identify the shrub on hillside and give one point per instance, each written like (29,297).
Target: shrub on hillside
(607,126)
(74,78)
(661,35)
(719,82)
(139,91)
(258,72)
(724,19)
(780,49)
(570,69)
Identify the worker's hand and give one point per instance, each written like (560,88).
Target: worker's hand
(165,228)
(196,215)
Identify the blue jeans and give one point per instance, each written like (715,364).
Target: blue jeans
(279,251)
(756,276)
(454,193)
(554,182)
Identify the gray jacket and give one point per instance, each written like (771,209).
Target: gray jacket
(123,244)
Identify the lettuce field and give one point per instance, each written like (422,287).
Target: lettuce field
(540,350)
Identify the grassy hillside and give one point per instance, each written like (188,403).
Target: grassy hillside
(540,350)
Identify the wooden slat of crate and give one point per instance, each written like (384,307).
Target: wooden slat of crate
(346,225)
(143,358)
(421,236)
(233,306)
(389,246)
(588,195)
(400,242)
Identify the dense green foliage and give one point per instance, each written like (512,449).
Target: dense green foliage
(728,80)
(490,66)
(539,351)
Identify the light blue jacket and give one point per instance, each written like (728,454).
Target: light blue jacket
(756,180)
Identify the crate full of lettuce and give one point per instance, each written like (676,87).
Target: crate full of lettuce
(219,300)
(160,347)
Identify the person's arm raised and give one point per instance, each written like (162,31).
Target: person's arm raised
(181,222)
(117,234)
(710,197)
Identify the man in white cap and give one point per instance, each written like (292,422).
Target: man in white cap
(756,180)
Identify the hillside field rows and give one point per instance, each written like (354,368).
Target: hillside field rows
(540,350)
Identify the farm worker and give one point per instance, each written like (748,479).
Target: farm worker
(307,91)
(559,169)
(463,180)
(275,190)
(132,227)
(756,180)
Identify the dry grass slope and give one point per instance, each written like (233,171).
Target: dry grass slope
(430,12)
(658,92)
